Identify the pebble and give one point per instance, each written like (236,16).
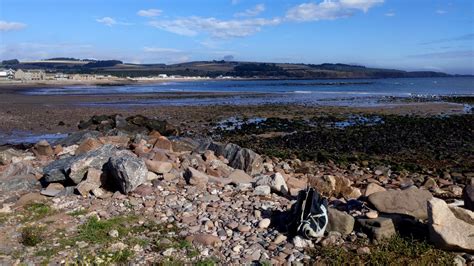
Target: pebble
(113,233)
(244,228)
(265,223)
(279,239)
(372,214)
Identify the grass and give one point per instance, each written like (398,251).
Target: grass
(37,211)
(77,213)
(96,231)
(394,251)
(31,236)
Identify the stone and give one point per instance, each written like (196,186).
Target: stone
(158,167)
(372,214)
(113,233)
(379,228)
(163,143)
(446,230)
(468,197)
(263,190)
(244,228)
(239,176)
(205,240)
(239,158)
(279,239)
(340,222)
(352,193)
(128,171)
(52,190)
(7,156)
(85,187)
(373,188)
(43,148)
(276,182)
(295,185)
(89,144)
(412,202)
(74,168)
(118,141)
(21,182)
(264,223)
(152,176)
(363,251)
(195,177)
(29,198)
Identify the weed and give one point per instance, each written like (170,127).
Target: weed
(37,211)
(394,251)
(31,236)
(78,212)
(96,231)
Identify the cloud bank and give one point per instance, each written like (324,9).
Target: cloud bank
(11,26)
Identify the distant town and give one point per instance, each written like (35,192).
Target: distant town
(36,75)
(91,71)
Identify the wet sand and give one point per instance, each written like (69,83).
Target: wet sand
(62,113)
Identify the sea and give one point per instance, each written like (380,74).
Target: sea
(345,92)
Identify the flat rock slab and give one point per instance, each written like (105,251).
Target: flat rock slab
(74,168)
(378,228)
(412,202)
(340,222)
(448,231)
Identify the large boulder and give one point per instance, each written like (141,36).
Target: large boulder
(128,171)
(410,202)
(448,231)
(42,148)
(340,222)
(337,186)
(276,182)
(378,228)
(74,168)
(239,158)
(468,197)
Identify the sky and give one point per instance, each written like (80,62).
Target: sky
(434,35)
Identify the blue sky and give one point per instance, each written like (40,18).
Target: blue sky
(406,34)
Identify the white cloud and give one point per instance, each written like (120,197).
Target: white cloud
(390,14)
(329,9)
(149,12)
(192,26)
(441,12)
(36,51)
(252,12)
(10,26)
(160,50)
(107,21)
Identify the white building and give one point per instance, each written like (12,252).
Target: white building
(7,74)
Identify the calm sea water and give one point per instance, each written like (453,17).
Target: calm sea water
(339,92)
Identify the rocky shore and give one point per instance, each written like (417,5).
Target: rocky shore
(139,190)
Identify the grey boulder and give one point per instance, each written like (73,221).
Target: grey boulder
(128,171)
(412,202)
(340,222)
(74,168)
(468,197)
(448,231)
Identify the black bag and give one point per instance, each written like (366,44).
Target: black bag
(309,214)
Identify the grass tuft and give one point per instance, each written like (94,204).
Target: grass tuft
(31,236)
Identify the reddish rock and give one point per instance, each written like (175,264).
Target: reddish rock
(158,167)
(43,148)
(87,145)
(120,141)
(163,143)
(205,240)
